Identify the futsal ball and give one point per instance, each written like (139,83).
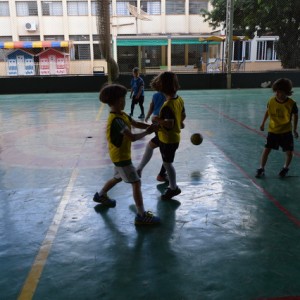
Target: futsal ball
(196,138)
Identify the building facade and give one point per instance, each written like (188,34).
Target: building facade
(152,34)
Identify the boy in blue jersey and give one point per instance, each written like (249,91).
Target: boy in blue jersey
(137,92)
(282,110)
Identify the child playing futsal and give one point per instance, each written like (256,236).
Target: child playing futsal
(158,100)
(282,110)
(137,92)
(170,119)
(119,138)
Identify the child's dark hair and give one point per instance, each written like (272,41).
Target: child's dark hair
(283,84)
(166,82)
(111,93)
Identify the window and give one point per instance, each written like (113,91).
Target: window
(77,8)
(96,37)
(79,37)
(196,6)
(96,9)
(266,50)
(178,55)
(52,8)
(122,8)
(82,52)
(28,38)
(26,8)
(53,37)
(97,52)
(175,7)
(241,50)
(151,7)
(6,38)
(4,9)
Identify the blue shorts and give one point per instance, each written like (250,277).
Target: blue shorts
(283,140)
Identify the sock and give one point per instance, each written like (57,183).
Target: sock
(146,157)
(101,193)
(171,174)
(162,171)
(140,210)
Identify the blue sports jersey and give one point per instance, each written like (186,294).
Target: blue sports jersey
(158,100)
(136,83)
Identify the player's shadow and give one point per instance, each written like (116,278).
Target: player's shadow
(99,208)
(162,187)
(195,177)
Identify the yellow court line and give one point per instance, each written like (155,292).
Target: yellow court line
(39,263)
(100,112)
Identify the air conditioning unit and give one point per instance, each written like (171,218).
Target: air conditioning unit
(31,26)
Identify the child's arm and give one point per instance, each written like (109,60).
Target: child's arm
(137,136)
(167,123)
(139,125)
(295,125)
(150,111)
(140,91)
(262,126)
(183,116)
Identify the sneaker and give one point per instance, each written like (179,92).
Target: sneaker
(169,194)
(283,172)
(162,178)
(146,219)
(141,116)
(260,172)
(104,200)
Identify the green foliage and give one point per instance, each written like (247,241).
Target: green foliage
(264,17)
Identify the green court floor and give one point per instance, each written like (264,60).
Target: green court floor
(227,236)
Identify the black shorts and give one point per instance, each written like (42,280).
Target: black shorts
(283,140)
(139,100)
(168,151)
(155,140)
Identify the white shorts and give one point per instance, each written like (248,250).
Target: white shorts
(128,174)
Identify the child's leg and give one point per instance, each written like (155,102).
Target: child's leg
(138,197)
(171,174)
(147,155)
(109,185)
(264,157)
(162,171)
(132,106)
(288,158)
(142,108)
(168,154)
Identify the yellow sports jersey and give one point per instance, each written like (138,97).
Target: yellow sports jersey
(280,114)
(171,109)
(119,145)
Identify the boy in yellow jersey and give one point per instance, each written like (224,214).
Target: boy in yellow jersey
(281,110)
(119,138)
(170,119)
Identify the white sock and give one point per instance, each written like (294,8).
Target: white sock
(171,174)
(146,157)
(140,210)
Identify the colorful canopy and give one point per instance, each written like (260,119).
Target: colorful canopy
(35,44)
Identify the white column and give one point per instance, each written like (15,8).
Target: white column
(169,62)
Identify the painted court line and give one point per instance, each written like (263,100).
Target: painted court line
(290,216)
(39,263)
(240,124)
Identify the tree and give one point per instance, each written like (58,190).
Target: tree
(264,17)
